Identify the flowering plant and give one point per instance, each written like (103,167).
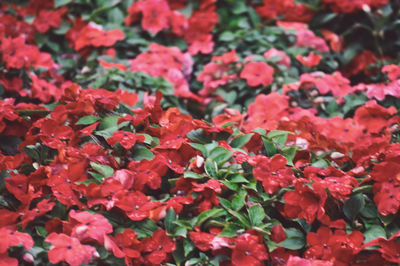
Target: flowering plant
(199,132)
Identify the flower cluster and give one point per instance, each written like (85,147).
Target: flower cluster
(165,132)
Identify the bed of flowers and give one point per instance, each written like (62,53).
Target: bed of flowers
(200,132)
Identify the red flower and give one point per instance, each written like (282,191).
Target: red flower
(89,226)
(284,59)
(257,73)
(13,52)
(389,248)
(159,245)
(266,111)
(147,173)
(106,64)
(392,71)
(156,14)
(305,202)
(48,19)
(227,58)
(318,242)
(202,240)
(335,42)
(69,249)
(277,233)
(249,250)
(9,238)
(373,116)
(126,139)
(136,205)
(297,261)
(386,198)
(273,173)
(92,36)
(311,60)
(52,133)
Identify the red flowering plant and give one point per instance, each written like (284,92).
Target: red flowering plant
(204,132)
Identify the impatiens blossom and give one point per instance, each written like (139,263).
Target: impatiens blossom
(305,201)
(309,61)
(69,249)
(249,250)
(257,73)
(126,139)
(89,226)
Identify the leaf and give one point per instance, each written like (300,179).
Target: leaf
(241,141)
(140,153)
(353,206)
(294,239)
(243,219)
(211,167)
(256,214)
(238,200)
(227,36)
(269,147)
(289,153)
(200,148)
(238,178)
(225,203)
(170,217)
(213,213)
(374,232)
(116,16)
(198,135)
(278,133)
(32,153)
(87,120)
(193,175)
(187,247)
(220,155)
(104,170)
(230,230)
(59,3)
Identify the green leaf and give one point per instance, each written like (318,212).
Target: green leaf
(294,239)
(170,217)
(289,153)
(32,153)
(243,219)
(238,178)
(140,153)
(230,230)
(238,200)
(213,213)
(353,206)
(369,211)
(374,232)
(193,175)
(41,231)
(116,16)
(269,147)
(220,155)
(199,147)
(104,170)
(225,203)
(241,141)
(198,135)
(211,167)
(239,7)
(256,214)
(227,36)
(87,120)
(187,247)
(59,3)
(278,133)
